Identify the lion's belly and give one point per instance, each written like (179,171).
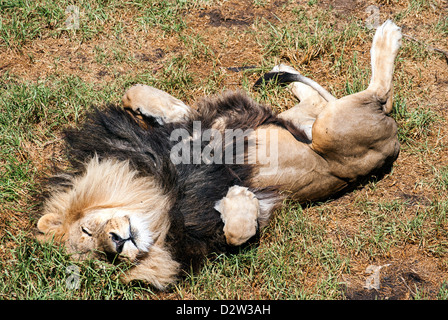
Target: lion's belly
(301,185)
(298,171)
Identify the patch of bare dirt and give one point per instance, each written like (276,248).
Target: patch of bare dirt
(396,280)
(342,6)
(239,14)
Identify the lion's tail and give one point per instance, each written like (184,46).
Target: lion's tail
(282,77)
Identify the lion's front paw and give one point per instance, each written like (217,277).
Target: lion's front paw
(239,211)
(152,102)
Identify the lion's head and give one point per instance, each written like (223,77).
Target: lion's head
(112,232)
(107,211)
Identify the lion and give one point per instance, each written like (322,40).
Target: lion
(131,196)
(125,198)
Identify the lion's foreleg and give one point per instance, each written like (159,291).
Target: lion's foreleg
(152,102)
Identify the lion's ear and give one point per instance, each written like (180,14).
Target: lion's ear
(50,223)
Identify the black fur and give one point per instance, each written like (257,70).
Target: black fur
(244,113)
(280,78)
(196,227)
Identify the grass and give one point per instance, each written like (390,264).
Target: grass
(44,272)
(279,268)
(415,124)
(51,75)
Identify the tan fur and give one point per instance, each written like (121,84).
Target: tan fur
(156,103)
(311,105)
(239,211)
(351,136)
(110,198)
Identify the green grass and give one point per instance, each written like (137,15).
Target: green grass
(277,269)
(32,114)
(305,253)
(388,225)
(25,20)
(165,15)
(413,124)
(45,272)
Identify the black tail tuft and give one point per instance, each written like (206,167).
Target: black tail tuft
(278,77)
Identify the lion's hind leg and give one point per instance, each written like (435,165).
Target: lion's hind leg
(354,133)
(385,46)
(151,102)
(240,211)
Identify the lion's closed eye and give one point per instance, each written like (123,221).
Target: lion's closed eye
(86,231)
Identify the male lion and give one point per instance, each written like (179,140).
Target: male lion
(126,198)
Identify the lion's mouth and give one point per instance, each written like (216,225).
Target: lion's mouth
(130,243)
(119,241)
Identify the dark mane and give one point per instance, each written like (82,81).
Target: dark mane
(241,112)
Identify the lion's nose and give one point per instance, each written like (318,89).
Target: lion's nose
(119,241)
